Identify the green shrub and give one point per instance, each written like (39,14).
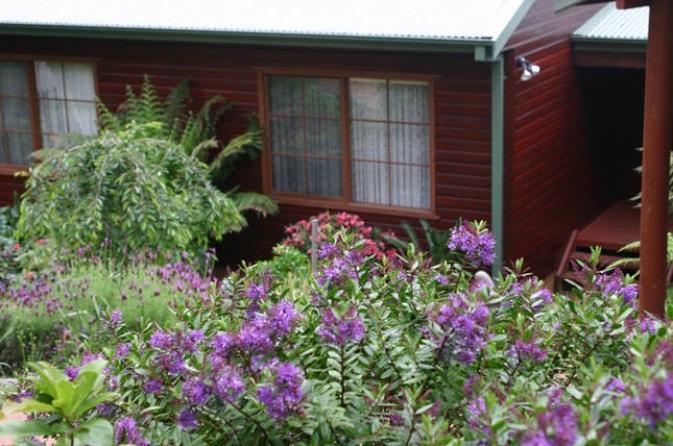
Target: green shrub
(125,192)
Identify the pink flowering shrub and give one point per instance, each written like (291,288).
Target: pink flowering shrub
(298,235)
(365,350)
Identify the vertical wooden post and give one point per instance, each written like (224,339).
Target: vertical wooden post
(314,244)
(657,144)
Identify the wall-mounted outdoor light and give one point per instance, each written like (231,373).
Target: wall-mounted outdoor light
(528,70)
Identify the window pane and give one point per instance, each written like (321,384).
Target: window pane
(15,114)
(287,135)
(49,78)
(53,117)
(411,186)
(324,177)
(289,174)
(15,148)
(322,97)
(368,99)
(323,137)
(286,95)
(82,118)
(408,101)
(370,182)
(52,140)
(409,143)
(13,79)
(79,82)
(369,140)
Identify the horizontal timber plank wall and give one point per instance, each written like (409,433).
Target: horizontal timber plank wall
(549,187)
(461,101)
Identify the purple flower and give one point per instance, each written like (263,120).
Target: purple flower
(153,386)
(442,279)
(464,328)
(477,416)
(161,340)
(282,318)
(187,420)
(336,272)
(284,396)
(192,339)
(228,384)
(528,351)
(612,283)
(71,372)
(172,363)
(327,250)
(543,296)
(127,432)
(123,350)
(340,331)
(478,248)
(255,335)
(195,392)
(223,343)
(115,318)
(615,385)
(555,427)
(654,404)
(256,292)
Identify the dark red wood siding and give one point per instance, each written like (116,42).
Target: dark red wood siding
(549,187)
(462,106)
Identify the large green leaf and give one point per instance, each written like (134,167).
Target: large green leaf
(18,428)
(27,405)
(95,432)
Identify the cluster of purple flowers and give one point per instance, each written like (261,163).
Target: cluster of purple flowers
(284,395)
(337,270)
(528,351)
(73,371)
(478,247)
(477,416)
(182,278)
(127,432)
(464,328)
(342,330)
(33,293)
(557,426)
(655,402)
(612,283)
(171,348)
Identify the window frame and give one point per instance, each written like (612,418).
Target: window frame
(345,201)
(33,99)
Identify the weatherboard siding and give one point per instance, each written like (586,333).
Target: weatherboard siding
(549,186)
(461,103)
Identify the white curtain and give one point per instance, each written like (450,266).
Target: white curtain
(16,141)
(305,128)
(390,142)
(67,96)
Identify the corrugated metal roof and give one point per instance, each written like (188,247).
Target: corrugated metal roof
(612,24)
(443,20)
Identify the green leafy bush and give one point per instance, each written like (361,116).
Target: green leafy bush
(125,192)
(369,349)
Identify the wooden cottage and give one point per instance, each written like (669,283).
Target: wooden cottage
(393,110)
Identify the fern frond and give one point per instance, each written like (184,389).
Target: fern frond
(107,119)
(252,201)
(240,145)
(175,106)
(202,148)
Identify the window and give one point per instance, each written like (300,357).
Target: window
(350,140)
(40,103)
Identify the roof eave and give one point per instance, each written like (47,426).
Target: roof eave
(583,43)
(560,5)
(252,38)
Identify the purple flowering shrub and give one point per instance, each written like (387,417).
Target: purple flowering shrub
(368,349)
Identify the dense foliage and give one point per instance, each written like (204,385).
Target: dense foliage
(124,192)
(370,349)
(195,133)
